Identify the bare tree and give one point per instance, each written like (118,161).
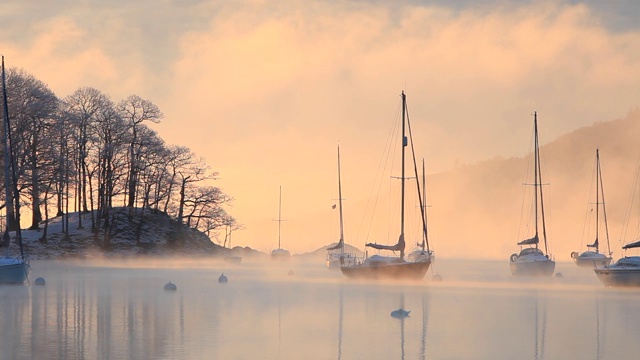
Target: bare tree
(83,105)
(135,110)
(106,160)
(176,158)
(33,112)
(204,202)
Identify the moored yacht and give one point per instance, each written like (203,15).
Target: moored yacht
(532,261)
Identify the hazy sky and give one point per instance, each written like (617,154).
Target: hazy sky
(265,90)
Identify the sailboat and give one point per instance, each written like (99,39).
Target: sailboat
(230,258)
(625,271)
(594,258)
(421,252)
(393,267)
(280,253)
(13,269)
(336,256)
(531,261)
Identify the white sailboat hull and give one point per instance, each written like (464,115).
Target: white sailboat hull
(619,277)
(592,259)
(534,266)
(625,272)
(13,271)
(280,255)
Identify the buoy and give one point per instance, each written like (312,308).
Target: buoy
(437,277)
(170,286)
(558,275)
(400,313)
(222,279)
(39,281)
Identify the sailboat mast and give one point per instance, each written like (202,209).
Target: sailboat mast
(11,164)
(597,197)
(404,144)
(279,216)
(7,187)
(424,207)
(535,169)
(604,207)
(340,205)
(539,182)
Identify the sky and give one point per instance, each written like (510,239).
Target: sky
(266,90)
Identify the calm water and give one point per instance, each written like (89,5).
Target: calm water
(120,311)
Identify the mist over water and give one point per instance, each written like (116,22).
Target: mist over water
(119,310)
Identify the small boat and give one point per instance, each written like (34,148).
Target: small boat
(393,267)
(531,261)
(336,256)
(13,269)
(233,259)
(280,254)
(594,258)
(230,258)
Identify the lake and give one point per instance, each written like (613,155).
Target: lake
(119,310)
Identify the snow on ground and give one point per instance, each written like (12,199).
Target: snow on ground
(157,235)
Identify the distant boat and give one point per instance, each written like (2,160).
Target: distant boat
(13,269)
(531,261)
(392,267)
(233,259)
(280,253)
(594,258)
(230,258)
(422,252)
(336,256)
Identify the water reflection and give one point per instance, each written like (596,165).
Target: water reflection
(541,325)
(401,318)
(340,315)
(423,338)
(597,328)
(109,313)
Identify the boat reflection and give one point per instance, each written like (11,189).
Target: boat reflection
(540,325)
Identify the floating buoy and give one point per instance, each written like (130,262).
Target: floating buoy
(39,281)
(559,275)
(400,313)
(170,286)
(436,277)
(222,279)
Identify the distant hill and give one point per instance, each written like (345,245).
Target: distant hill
(156,236)
(476,209)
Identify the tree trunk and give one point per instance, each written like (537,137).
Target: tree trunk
(36,214)
(43,238)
